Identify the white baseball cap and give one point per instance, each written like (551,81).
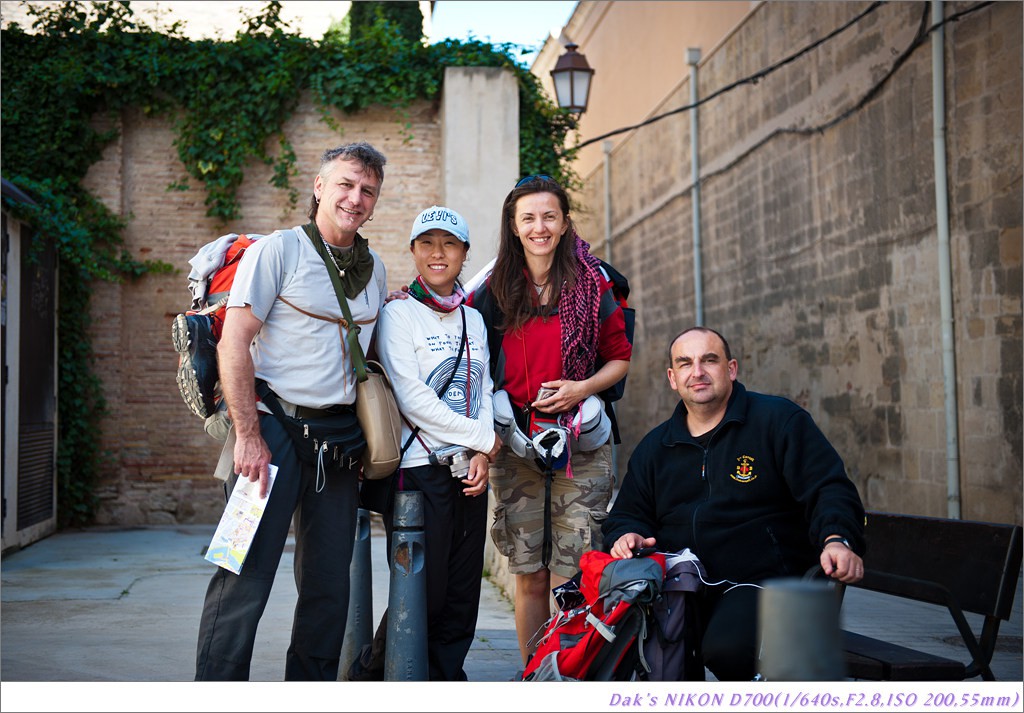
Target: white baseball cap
(442,218)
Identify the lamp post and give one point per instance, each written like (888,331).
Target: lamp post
(572,80)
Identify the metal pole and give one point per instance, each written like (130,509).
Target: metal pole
(405,657)
(607,148)
(945,264)
(359,628)
(798,626)
(692,58)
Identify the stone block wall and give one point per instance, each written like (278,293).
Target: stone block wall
(819,248)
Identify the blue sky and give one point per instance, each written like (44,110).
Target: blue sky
(497,21)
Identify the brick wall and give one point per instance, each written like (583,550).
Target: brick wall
(820,258)
(160,456)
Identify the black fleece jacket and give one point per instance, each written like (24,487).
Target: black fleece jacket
(757,503)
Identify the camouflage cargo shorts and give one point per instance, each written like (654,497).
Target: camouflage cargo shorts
(579,505)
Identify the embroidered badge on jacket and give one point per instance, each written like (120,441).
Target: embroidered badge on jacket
(744,470)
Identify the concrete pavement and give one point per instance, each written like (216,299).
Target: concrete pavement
(122,605)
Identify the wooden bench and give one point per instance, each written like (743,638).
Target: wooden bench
(962,565)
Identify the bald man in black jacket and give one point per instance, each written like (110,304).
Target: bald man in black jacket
(749,484)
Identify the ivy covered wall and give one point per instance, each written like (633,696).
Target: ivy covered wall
(230,112)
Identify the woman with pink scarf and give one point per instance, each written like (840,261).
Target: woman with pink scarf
(557,337)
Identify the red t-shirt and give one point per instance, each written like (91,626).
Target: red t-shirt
(533,354)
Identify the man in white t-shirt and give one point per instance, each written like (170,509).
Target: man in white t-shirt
(282,329)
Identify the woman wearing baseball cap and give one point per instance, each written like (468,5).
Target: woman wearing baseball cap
(434,348)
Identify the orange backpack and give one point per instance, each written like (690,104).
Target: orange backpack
(218,285)
(196,332)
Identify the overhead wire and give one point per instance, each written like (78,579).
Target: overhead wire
(761,74)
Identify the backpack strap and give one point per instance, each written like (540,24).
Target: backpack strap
(211,308)
(619,282)
(485,303)
(620,292)
(352,334)
(342,322)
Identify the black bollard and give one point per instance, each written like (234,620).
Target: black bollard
(799,631)
(359,629)
(405,658)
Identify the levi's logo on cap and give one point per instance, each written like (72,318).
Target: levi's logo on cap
(439,217)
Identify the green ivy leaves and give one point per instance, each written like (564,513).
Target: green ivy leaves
(229,102)
(231,99)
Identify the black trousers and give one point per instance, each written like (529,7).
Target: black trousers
(728,617)
(324,540)
(454,531)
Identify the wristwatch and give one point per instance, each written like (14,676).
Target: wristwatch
(840,540)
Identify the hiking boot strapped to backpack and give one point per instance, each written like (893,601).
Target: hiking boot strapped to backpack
(195,332)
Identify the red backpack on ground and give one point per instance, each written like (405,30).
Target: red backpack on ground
(598,632)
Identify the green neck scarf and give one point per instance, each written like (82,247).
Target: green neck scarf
(355,266)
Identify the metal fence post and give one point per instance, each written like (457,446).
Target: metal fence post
(359,626)
(405,657)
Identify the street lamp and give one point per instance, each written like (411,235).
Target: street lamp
(572,80)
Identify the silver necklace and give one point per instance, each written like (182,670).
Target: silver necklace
(333,259)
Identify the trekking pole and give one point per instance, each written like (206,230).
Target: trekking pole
(405,657)
(799,631)
(547,464)
(359,627)
(549,475)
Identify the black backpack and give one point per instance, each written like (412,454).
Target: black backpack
(484,301)
(620,291)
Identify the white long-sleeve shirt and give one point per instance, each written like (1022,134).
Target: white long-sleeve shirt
(419,347)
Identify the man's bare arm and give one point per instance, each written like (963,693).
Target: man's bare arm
(237,380)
